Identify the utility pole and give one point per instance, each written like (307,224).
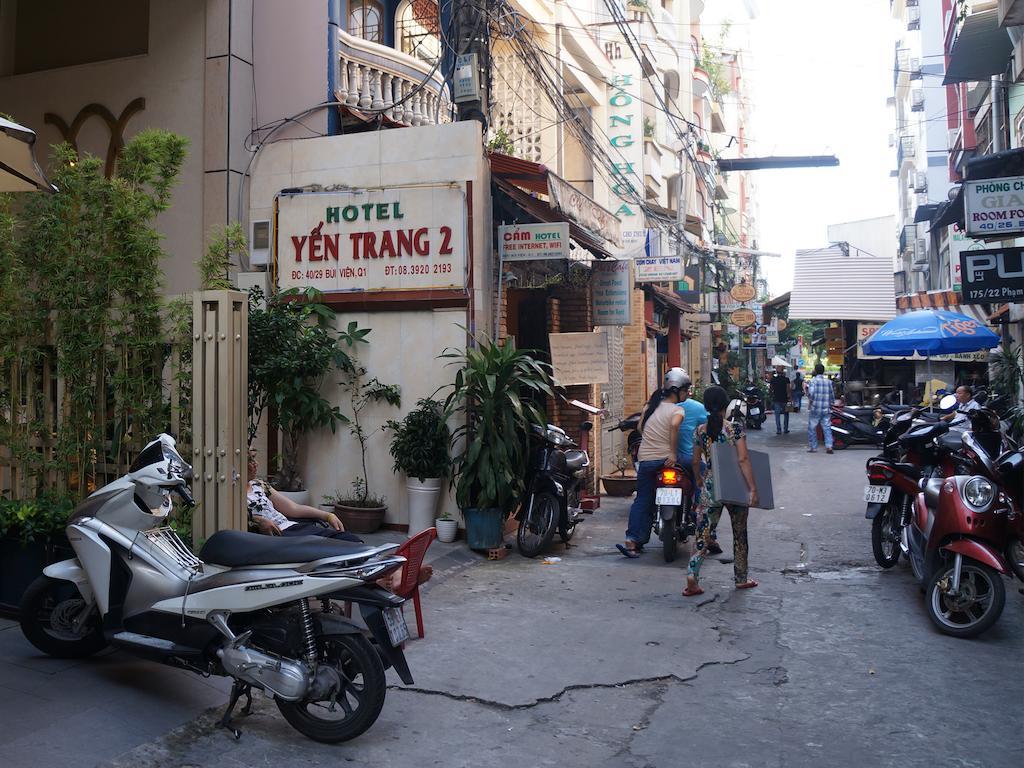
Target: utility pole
(471,78)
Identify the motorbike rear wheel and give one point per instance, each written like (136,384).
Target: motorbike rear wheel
(975,608)
(839,443)
(48,609)
(885,541)
(669,539)
(356,706)
(537,528)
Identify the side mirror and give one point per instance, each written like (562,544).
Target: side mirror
(947,403)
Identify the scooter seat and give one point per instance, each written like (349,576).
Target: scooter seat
(235,549)
(910,470)
(575,460)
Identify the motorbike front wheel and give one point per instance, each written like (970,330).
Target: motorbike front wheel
(885,538)
(669,538)
(537,528)
(354,705)
(49,609)
(975,608)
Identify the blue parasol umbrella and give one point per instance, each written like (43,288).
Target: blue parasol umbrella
(930,332)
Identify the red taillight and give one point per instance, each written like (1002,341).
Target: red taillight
(669,477)
(836,422)
(879,474)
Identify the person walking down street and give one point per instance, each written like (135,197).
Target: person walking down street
(659,443)
(820,397)
(695,414)
(718,430)
(798,391)
(781,390)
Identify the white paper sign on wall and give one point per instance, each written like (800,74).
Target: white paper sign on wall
(579,358)
(610,292)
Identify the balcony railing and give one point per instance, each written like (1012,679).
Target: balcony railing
(375,77)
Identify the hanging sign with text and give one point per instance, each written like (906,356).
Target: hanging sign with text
(993,276)
(994,206)
(579,358)
(610,292)
(866,330)
(404,238)
(656,264)
(530,242)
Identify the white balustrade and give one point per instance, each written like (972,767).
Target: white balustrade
(364,83)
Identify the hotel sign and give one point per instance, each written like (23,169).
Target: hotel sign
(994,206)
(993,276)
(403,238)
(610,292)
(626,139)
(531,242)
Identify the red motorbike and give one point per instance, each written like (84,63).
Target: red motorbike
(965,535)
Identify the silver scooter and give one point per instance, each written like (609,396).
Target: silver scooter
(241,609)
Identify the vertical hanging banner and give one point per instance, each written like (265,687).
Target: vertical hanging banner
(625,132)
(610,292)
(656,265)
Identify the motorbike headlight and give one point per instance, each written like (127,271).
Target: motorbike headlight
(978,492)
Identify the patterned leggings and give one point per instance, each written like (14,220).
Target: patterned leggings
(706,534)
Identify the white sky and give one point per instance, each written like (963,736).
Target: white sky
(822,71)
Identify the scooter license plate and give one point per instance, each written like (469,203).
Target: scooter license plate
(877,494)
(398,631)
(669,496)
(755,411)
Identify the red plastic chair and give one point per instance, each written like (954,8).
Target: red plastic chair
(413,551)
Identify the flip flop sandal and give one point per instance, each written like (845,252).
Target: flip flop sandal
(747,585)
(630,553)
(692,592)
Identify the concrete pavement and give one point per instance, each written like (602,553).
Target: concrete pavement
(595,660)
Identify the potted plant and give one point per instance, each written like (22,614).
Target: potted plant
(447,527)
(420,450)
(329,501)
(361,511)
(31,537)
(496,390)
(292,347)
(620,485)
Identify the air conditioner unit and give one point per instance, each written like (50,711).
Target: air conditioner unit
(922,200)
(951,137)
(917,100)
(911,3)
(915,69)
(920,181)
(892,140)
(913,18)
(921,252)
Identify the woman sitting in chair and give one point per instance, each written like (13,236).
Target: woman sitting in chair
(276,515)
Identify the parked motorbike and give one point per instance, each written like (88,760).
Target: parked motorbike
(240,609)
(858,426)
(630,426)
(673,503)
(747,407)
(554,486)
(964,533)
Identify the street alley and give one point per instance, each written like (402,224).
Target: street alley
(594,660)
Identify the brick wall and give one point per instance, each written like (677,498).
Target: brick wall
(635,357)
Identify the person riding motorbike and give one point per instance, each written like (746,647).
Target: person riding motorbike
(659,430)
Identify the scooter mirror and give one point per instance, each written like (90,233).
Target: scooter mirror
(947,403)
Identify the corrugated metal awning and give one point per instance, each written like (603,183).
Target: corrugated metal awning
(842,284)
(982,49)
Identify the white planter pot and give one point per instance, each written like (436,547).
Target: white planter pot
(422,502)
(299,497)
(447,530)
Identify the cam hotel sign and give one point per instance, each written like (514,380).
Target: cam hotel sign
(411,238)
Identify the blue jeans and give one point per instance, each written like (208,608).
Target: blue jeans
(826,429)
(780,408)
(641,514)
(798,398)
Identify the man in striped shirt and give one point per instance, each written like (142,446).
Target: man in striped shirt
(819,407)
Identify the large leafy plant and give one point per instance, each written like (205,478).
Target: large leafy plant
(39,520)
(1008,383)
(292,348)
(421,441)
(497,389)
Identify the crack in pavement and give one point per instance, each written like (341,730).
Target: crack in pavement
(503,707)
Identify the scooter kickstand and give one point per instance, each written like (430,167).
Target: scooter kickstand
(238,689)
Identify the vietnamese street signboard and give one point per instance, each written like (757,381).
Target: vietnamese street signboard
(579,358)
(610,292)
(994,206)
(743,292)
(655,264)
(773,331)
(743,317)
(958,243)
(993,276)
(728,303)
(531,242)
(401,238)
(866,330)
(584,211)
